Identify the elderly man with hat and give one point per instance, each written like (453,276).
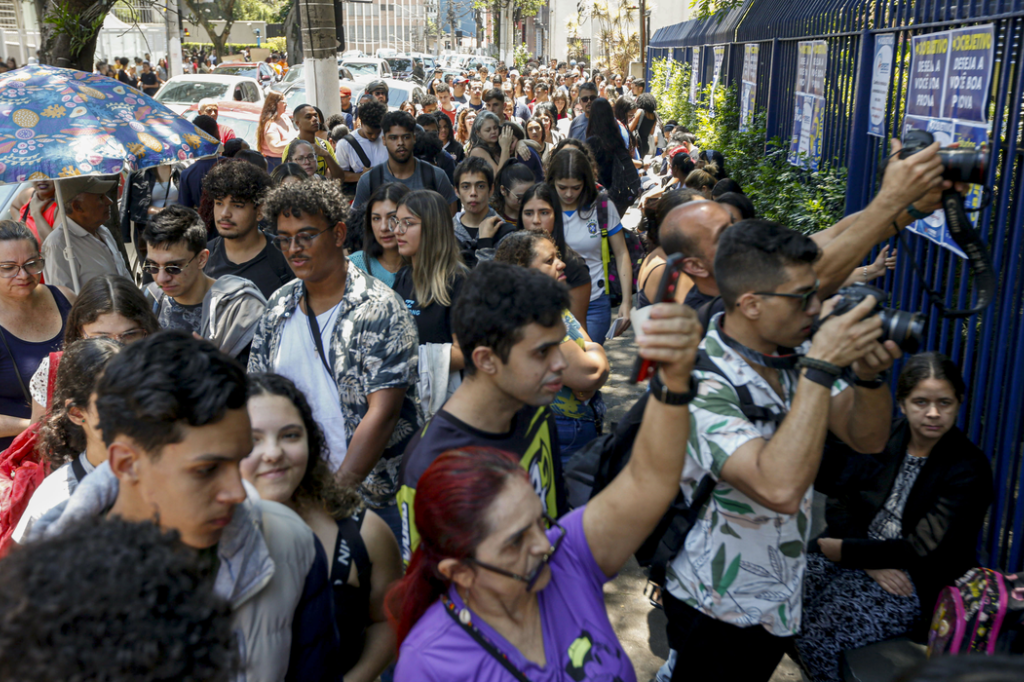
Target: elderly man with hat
(208,107)
(94,251)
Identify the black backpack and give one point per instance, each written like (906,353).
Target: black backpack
(596,464)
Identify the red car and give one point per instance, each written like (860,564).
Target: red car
(242,117)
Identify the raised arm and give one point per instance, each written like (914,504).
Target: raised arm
(622,515)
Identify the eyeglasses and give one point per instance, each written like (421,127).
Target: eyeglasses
(122,338)
(587,98)
(31,268)
(531,579)
(173,270)
(401,226)
(302,240)
(304,159)
(805,298)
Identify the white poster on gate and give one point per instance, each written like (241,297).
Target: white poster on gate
(881,74)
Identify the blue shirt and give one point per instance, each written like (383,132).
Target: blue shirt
(578,128)
(190,187)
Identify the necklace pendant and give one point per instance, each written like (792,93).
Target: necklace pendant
(464,616)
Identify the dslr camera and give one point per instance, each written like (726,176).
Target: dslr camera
(906,329)
(958,165)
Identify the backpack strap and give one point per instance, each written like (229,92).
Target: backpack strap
(78,468)
(51,377)
(358,149)
(426,172)
(350,549)
(376,177)
(602,224)
(705,312)
(750,410)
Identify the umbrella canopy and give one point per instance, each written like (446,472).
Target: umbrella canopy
(57,123)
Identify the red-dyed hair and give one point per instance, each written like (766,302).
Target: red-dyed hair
(452,499)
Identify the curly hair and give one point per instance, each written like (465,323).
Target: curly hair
(310,197)
(519,247)
(239,180)
(60,439)
(318,487)
(141,608)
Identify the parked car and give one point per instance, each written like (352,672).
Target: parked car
(401,67)
(385,52)
(295,94)
(241,117)
(368,68)
(298,72)
(261,71)
(398,92)
(429,62)
(351,54)
(180,92)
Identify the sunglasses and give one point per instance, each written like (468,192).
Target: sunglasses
(534,575)
(588,98)
(805,298)
(151,268)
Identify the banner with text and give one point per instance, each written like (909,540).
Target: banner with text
(748,85)
(809,107)
(951,75)
(719,52)
(694,75)
(881,74)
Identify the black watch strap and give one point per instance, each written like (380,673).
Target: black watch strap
(879,381)
(819,376)
(661,393)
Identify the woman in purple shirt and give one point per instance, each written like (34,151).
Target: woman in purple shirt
(495,590)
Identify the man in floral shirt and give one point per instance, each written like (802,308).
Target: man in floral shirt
(733,592)
(345,339)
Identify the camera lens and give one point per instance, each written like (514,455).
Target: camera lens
(906,329)
(964,165)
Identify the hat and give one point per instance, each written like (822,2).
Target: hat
(345,90)
(572,62)
(513,72)
(85,184)
(376,85)
(460,80)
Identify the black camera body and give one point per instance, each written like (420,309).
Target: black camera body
(906,329)
(958,165)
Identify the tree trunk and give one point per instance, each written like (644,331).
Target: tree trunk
(227,10)
(71,44)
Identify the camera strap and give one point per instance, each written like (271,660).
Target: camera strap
(787,359)
(968,239)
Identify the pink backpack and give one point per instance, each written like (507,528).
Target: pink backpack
(983,613)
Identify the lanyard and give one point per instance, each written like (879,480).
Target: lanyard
(314,328)
(465,622)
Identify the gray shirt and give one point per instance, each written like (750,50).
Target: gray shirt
(92,255)
(441,184)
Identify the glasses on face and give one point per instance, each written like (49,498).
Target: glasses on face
(379,93)
(302,240)
(32,268)
(805,298)
(534,575)
(308,158)
(401,226)
(123,338)
(151,268)
(585,99)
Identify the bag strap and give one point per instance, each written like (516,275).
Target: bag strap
(426,172)
(14,363)
(482,640)
(78,469)
(314,328)
(358,149)
(751,410)
(51,377)
(349,530)
(376,177)
(602,224)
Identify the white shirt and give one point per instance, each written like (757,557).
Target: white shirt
(92,255)
(583,235)
(55,488)
(297,359)
(376,152)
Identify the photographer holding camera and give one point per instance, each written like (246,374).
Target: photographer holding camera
(760,420)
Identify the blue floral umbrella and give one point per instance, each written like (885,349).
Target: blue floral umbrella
(58,123)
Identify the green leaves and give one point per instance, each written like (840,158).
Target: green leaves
(801,523)
(732,505)
(722,577)
(792,549)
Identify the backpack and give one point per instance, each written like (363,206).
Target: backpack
(425,170)
(596,464)
(983,613)
(349,188)
(635,248)
(626,186)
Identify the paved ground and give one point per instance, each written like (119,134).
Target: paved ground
(640,626)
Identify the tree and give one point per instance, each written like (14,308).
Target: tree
(521,9)
(710,8)
(69,29)
(208,12)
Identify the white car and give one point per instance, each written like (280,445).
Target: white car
(180,92)
(398,92)
(367,68)
(352,54)
(385,52)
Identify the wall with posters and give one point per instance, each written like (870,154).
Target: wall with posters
(809,105)
(748,85)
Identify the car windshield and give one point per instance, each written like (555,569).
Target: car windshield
(399,63)
(190,92)
(238,70)
(294,74)
(295,96)
(242,128)
(362,68)
(396,96)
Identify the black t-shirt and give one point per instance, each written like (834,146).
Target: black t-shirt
(434,323)
(644,131)
(269,270)
(148,80)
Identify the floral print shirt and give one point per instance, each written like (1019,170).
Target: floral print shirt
(742,562)
(374,346)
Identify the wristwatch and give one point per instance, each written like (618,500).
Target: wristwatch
(881,380)
(915,214)
(661,393)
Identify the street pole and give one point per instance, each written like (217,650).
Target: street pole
(643,32)
(174,56)
(320,55)
(593,45)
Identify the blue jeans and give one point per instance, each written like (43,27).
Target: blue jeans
(573,434)
(665,671)
(599,318)
(393,518)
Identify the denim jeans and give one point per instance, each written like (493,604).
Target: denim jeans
(573,434)
(665,671)
(599,318)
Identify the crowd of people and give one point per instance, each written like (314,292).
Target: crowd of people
(305,411)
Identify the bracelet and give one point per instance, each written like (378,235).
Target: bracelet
(819,377)
(865,274)
(821,365)
(661,393)
(879,381)
(915,214)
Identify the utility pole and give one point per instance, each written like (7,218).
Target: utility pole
(451,22)
(172,19)
(320,55)
(643,31)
